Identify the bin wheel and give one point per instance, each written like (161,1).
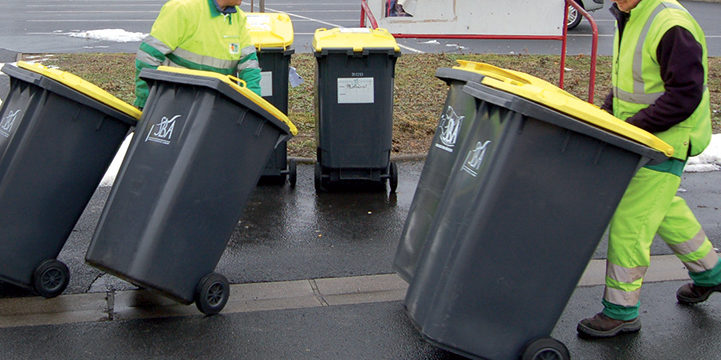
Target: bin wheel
(393,179)
(292,172)
(50,278)
(546,349)
(319,186)
(212,293)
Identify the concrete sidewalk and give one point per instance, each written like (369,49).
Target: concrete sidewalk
(282,295)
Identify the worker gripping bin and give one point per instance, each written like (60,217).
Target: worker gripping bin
(197,154)
(355,71)
(455,121)
(272,34)
(535,184)
(58,135)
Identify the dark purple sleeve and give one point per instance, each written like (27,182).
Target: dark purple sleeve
(608,103)
(680,57)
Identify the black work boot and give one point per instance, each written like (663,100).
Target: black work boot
(691,293)
(602,326)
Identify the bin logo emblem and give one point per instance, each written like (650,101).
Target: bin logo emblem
(474,159)
(6,125)
(448,128)
(162,132)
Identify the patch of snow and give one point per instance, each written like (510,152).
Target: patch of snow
(709,159)
(114,167)
(117,35)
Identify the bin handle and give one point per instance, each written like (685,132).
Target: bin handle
(493,72)
(240,82)
(236,83)
(277,113)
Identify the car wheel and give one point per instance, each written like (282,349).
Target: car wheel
(574,17)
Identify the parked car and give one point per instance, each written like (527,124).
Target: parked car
(574,17)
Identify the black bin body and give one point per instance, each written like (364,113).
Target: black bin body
(529,198)
(55,146)
(197,154)
(453,126)
(354,136)
(276,61)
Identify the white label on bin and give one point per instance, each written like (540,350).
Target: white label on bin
(6,124)
(258,23)
(266,83)
(474,159)
(448,129)
(355,90)
(162,131)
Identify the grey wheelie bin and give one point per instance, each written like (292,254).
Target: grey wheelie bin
(538,179)
(197,154)
(272,34)
(58,135)
(455,121)
(355,71)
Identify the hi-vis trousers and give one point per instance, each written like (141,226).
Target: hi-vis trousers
(650,206)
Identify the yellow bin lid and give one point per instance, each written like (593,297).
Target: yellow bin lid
(270,30)
(354,38)
(233,82)
(83,87)
(545,93)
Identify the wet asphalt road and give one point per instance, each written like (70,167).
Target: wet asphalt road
(288,234)
(291,234)
(361,331)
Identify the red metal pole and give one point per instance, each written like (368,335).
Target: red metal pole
(594,46)
(366,12)
(478,37)
(363,16)
(563,44)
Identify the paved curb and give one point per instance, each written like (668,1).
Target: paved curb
(283,295)
(399,157)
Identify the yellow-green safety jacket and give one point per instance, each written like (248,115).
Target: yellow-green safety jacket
(636,77)
(193,34)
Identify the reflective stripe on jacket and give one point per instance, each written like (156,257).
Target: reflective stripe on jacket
(636,76)
(193,34)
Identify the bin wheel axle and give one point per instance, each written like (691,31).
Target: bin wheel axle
(546,349)
(212,293)
(50,278)
(292,173)
(393,177)
(318,178)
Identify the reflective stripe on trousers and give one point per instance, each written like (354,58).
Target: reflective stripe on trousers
(650,206)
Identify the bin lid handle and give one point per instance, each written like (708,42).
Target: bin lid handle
(82,86)
(549,95)
(233,82)
(239,81)
(491,71)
